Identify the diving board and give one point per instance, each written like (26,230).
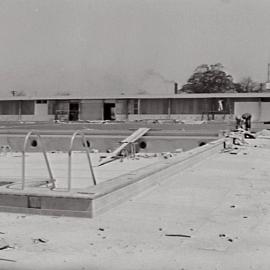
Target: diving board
(136,135)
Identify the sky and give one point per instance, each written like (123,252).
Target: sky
(102,47)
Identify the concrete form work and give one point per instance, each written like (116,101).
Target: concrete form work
(181,107)
(212,215)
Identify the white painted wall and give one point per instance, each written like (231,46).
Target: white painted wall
(193,117)
(9,118)
(37,117)
(26,118)
(91,110)
(41,109)
(248,107)
(265,114)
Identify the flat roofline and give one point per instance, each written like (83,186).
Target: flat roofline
(119,97)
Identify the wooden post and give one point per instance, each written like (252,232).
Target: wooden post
(139,106)
(20,110)
(169,108)
(260,109)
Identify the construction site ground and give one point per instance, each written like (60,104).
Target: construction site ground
(213,215)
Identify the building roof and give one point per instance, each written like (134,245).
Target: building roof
(170,96)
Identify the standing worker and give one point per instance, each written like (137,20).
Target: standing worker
(247,121)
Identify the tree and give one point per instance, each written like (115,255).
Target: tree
(209,79)
(248,85)
(63,93)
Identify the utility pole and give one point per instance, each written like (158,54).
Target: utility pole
(268,73)
(267,85)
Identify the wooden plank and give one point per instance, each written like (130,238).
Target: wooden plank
(130,139)
(136,135)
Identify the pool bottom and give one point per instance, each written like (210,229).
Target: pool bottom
(92,200)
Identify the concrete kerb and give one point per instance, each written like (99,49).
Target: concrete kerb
(97,199)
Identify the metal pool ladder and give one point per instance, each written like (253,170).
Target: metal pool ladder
(85,146)
(27,137)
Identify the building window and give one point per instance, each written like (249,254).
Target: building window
(135,106)
(42,101)
(154,106)
(9,107)
(27,107)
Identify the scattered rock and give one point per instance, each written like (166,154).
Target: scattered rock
(3,244)
(222,235)
(7,260)
(178,235)
(166,155)
(40,240)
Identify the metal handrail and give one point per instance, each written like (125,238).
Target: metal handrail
(29,134)
(84,142)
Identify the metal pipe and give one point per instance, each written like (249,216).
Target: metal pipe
(84,142)
(45,157)
(29,134)
(23,157)
(69,171)
(23,170)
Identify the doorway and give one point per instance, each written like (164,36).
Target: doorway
(73,111)
(109,111)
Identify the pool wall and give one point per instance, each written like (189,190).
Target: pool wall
(154,141)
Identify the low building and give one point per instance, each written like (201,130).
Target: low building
(136,107)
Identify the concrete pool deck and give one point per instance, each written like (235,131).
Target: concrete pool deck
(214,215)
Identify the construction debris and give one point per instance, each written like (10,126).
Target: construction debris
(3,244)
(40,240)
(129,141)
(166,155)
(7,260)
(178,235)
